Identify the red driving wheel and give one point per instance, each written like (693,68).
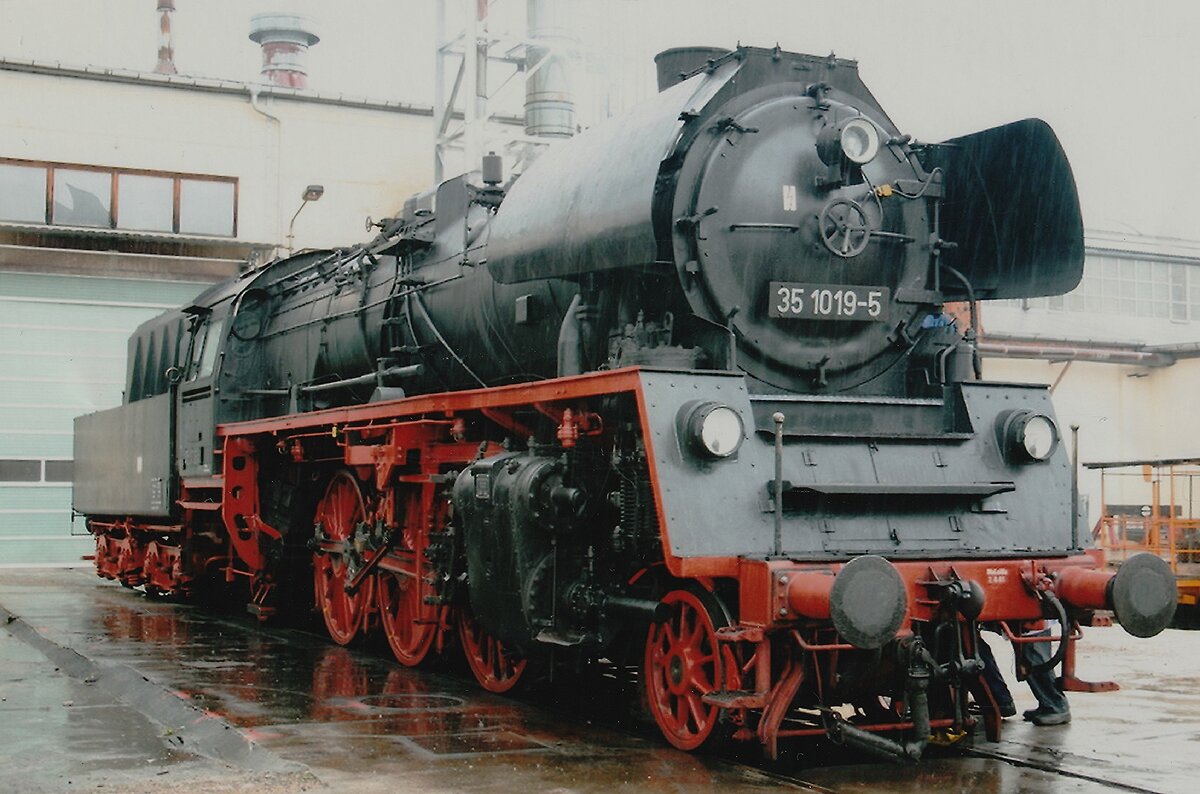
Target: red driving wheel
(340,511)
(403,587)
(494,668)
(408,622)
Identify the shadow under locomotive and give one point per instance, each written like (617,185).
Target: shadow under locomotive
(682,395)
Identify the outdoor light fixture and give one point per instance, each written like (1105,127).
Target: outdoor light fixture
(311,193)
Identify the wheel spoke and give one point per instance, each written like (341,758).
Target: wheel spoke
(700,671)
(696,709)
(670,640)
(679,713)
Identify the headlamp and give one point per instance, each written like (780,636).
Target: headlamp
(711,429)
(1026,436)
(860,141)
(854,140)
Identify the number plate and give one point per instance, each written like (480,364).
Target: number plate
(829,301)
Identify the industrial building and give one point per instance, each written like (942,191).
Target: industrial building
(124,193)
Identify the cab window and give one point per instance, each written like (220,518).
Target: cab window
(204,351)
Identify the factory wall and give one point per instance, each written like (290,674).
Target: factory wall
(1123,412)
(67,308)
(369,160)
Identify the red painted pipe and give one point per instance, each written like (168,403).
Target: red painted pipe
(1084,588)
(808,594)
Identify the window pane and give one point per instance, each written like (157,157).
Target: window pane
(206,207)
(22,193)
(20,470)
(212,341)
(145,202)
(204,349)
(82,198)
(59,470)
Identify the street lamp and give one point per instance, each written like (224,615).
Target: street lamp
(311,193)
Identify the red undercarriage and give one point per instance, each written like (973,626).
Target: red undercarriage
(778,651)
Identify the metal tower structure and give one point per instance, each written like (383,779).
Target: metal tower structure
(466,114)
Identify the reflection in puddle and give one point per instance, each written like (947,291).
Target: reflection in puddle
(462,744)
(411,702)
(280,686)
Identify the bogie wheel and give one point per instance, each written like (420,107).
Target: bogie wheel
(682,664)
(339,512)
(493,666)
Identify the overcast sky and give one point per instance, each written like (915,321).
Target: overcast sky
(1119,81)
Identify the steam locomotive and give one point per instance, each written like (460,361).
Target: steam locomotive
(683,393)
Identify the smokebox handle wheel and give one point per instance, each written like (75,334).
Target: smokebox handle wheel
(845,230)
(682,665)
(338,514)
(493,666)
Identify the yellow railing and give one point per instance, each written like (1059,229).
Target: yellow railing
(1176,540)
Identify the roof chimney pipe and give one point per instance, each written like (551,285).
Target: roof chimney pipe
(549,104)
(166,50)
(285,39)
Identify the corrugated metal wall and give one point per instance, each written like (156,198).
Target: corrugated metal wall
(62,353)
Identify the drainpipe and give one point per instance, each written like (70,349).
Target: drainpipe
(257,106)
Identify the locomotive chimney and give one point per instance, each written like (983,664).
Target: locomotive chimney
(285,39)
(166,49)
(549,106)
(676,62)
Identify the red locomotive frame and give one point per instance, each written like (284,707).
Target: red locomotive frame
(394,460)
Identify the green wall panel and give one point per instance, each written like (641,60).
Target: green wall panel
(66,342)
(86,397)
(47,551)
(95,288)
(45,418)
(91,319)
(35,445)
(32,366)
(63,342)
(38,525)
(40,497)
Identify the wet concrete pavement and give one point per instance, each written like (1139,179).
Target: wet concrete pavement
(102,687)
